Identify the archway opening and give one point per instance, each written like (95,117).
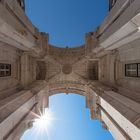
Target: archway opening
(71,121)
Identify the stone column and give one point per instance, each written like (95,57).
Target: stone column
(23,125)
(89,43)
(25,69)
(121,115)
(113,68)
(28,69)
(91,103)
(43,101)
(104,69)
(14,125)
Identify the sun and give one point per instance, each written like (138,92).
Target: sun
(44,122)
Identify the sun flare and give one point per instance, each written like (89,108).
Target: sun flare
(44,122)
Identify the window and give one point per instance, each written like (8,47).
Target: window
(132,70)
(5,70)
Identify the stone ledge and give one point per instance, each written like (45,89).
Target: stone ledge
(13,102)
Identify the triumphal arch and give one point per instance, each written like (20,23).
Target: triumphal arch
(106,70)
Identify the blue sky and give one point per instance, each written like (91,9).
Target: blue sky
(67,21)
(72,121)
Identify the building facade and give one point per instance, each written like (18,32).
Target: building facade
(106,70)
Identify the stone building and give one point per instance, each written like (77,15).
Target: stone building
(106,70)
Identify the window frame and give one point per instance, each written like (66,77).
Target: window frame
(137,70)
(6,68)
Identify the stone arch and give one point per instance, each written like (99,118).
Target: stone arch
(76,88)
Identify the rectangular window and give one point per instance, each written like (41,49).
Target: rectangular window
(132,70)
(5,70)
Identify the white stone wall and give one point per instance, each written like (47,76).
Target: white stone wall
(121,115)
(117,135)
(130,53)
(9,123)
(28,69)
(10,55)
(112,67)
